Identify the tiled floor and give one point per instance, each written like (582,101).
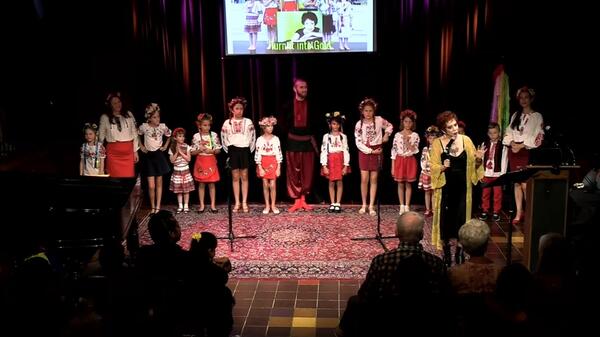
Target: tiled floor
(289,307)
(313,307)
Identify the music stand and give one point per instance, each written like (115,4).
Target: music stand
(378,235)
(231,236)
(506,180)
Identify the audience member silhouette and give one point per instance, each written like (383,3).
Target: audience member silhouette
(401,286)
(473,282)
(161,268)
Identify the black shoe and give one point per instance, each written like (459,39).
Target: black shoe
(483,216)
(337,209)
(214,210)
(496,217)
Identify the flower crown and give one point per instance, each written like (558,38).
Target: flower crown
(178,130)
(151,109)
(432,130)
(367,101)
(237,100)
(526,88)
(336,115)
(268,121)
(408,113)
(91,126)
(197,236)
(204,117)
(111,95)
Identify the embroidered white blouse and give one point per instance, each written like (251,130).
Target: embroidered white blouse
(112,133)
(210,142)
(368,134)
(239,133)
(530,132)
(334,144)
(271,147)
(153,136)
(405,146)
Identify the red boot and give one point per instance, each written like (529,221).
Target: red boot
(306,206)
(296,206)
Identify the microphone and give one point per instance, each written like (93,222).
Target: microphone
(447,149)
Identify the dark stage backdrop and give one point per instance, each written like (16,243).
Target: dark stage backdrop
(60,58)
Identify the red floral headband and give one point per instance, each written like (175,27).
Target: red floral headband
(266,121)
(178,130)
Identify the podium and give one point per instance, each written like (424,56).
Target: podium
(546,207)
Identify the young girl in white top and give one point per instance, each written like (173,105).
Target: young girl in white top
(369,134)
(206,146)
(431,133)
(182,182)
(335,158)
(404,163)
(92,152)
(155,162)
(525,132)
(268,158)
(239,140)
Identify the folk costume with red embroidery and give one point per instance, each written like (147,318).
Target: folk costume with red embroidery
(268,158)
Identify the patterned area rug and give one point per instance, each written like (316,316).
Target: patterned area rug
(315,244)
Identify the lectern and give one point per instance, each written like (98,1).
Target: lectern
(546,207)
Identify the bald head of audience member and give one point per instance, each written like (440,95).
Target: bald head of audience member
(409,227)
(474,236)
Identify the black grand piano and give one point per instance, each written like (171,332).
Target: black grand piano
(69,213)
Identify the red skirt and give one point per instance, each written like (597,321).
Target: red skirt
(120,159)
(269,164)
(370,162)
(206,170)
(270,18)
(519,160)
(405,169)
(335,164)
(289,6)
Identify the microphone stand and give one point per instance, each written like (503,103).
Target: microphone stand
(378,235)
(231,236)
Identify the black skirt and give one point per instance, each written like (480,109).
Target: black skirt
(239,157)
(155,163)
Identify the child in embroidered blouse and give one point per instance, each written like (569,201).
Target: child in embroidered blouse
(431,133)
(155,163)
(254,11)
(268,158)
(335,159)
(239,140)
(206,146)
(92,152)
(182,182)
(369,138)
(404,164)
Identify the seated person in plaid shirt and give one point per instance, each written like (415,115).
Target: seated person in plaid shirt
(405,289)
